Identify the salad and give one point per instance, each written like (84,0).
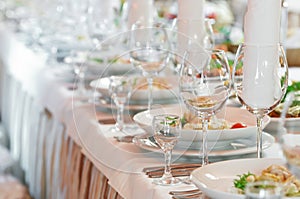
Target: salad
(294,109)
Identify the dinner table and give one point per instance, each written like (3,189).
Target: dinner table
(63,142)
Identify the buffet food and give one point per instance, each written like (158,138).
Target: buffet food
(294,109)
(192,122)
(274,173)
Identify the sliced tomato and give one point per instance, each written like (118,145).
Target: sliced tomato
(238,125)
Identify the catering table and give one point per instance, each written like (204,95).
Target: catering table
(57,139)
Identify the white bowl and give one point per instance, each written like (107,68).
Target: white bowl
(230,114)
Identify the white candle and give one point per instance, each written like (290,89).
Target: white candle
(262,34)
(190,24)
(140,10)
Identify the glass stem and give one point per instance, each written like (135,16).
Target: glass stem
(81,83)
(120,117)
(150,89)
(167,173)
(204,141)
(259,119)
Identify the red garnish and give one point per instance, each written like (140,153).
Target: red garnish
(238,125)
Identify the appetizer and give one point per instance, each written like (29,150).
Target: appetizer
(275,173)
(192,122)
(294,109)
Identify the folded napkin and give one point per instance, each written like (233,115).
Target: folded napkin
(140,10)
(262,22)
(262,35)
(190,24)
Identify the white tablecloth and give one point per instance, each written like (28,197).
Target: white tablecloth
(121,163)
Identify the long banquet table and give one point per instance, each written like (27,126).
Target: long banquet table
(57,139)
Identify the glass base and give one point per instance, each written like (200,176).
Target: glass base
(167,181)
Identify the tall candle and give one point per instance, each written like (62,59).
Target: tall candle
(262,35)
(190,24)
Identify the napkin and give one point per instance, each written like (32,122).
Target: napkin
(140,10)
(190,24)
(262,35)
(262,22)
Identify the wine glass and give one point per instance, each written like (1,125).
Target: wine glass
(166,131)
(149,52)
(120,89)
(289,135)
(204,86)
(77,61)
(186,32)
(260,78)
(101,22)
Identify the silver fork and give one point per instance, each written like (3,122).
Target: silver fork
(193,193)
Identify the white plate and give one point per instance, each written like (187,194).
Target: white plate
(231,114)
(216,179)
(140,96)
(249,147)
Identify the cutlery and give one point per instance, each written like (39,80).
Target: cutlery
(173,166)
(175,173)
(188,196)
(193,193)
(186,192)
(126,138)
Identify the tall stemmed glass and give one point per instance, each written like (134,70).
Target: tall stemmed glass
(204,86)
(260,79)
(289,135)
(101,22)
(120,89)
(149,52)
(166,131)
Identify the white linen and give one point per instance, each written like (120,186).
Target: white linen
(140,10)
(261,29)
(190,24)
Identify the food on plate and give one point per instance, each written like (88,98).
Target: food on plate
(190,121)
(238,125)
(294,109)
(274,173)
(111,60)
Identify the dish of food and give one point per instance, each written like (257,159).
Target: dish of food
(164,89)
(273,173)
(232,116)
(293,112)
(236,147)
(217,180)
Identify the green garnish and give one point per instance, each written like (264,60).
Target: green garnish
(242,181)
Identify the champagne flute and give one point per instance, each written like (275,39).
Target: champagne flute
(260,79)
(204,86)
(149,52)
(120,88)
(166,130)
